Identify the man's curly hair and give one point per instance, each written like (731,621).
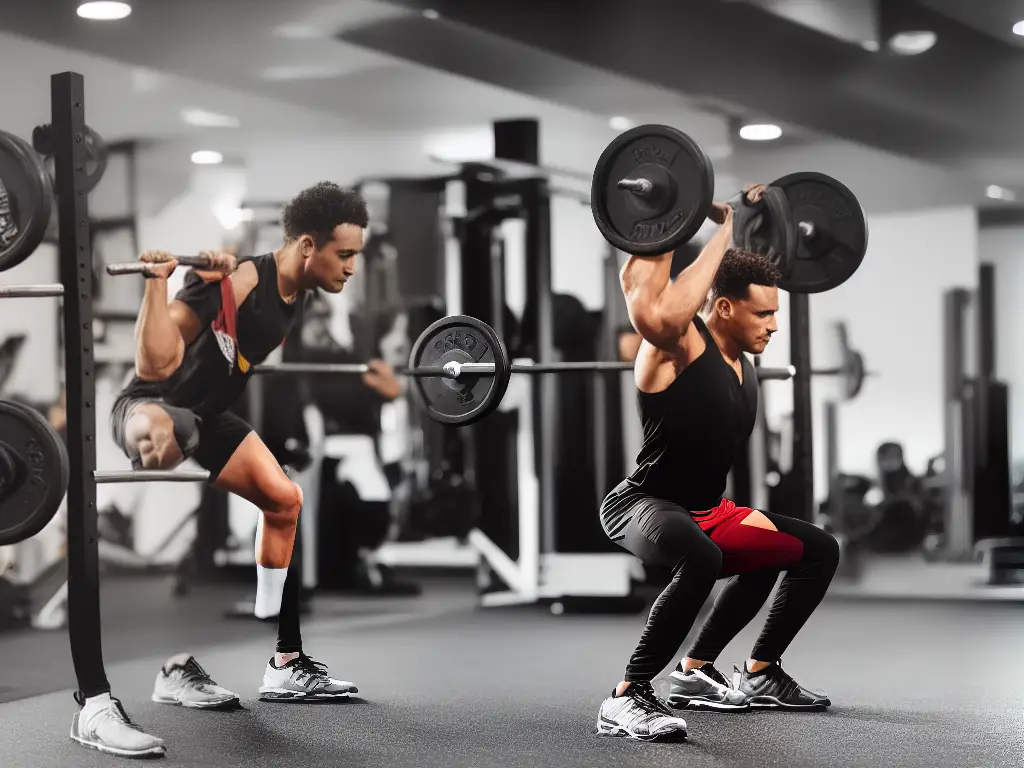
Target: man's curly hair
(739,270)
(317,210)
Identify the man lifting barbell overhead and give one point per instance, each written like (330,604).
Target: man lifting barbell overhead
(194,356)
(698,398)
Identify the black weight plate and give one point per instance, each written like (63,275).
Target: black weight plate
(42,468)
(24,201)
(830,258)
(670,216)
(461,339)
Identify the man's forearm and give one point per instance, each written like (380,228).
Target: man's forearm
(682,298)
(159,347)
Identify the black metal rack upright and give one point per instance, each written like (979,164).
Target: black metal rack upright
(75,257)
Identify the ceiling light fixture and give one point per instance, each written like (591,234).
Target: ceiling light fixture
(204,119)
(1018,28)
(207,157)
(430,13)
(760,132)
(912,43)
(996,192)
(620,123)
(104,10)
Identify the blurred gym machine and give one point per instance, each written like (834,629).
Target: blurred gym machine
(976,473)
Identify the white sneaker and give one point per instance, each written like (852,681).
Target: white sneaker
(189,685)
(105,726)
(302,679)
(639,714)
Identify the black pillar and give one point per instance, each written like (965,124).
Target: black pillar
(802,474)
(68,105)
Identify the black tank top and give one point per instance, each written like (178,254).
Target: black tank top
(695,429)
(207,382)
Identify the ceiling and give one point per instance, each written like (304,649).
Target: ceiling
(957,106)
(292,52)
(327,67)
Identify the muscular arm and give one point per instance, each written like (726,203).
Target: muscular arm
(159,344)
(662,310)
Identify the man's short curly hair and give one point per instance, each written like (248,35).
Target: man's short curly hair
(317,210)
(739,270)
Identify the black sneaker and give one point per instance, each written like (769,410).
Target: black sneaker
(772,688)
(639,714)
(705,688)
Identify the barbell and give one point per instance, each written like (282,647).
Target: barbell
(653,187)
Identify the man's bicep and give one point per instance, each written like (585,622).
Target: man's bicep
(188,322)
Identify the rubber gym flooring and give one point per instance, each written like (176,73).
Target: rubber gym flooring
(444,683)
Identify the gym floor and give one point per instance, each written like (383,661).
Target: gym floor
(443,683)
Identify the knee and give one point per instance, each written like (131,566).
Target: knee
(285,503)
(152,436)
(822,548)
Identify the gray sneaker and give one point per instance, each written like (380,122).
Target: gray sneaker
(106,727)
(302,679)
(705,688)
(639,714)
(188,685)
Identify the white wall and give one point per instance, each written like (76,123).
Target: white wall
(1004,248)
(893,310)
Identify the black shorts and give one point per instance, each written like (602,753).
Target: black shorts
(209,440)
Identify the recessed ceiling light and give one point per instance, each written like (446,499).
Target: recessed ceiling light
(430,13)
(870,45)
(620,123)
(302,72)
(912,43)
(1018,28)
(104,10)
(760,132)
(996,192)
(207,157)
(204,119)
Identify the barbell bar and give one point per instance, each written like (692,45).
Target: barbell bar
(150,476)
(30,291)
(140,267)
(455,370)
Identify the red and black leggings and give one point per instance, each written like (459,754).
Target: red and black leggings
(702,547)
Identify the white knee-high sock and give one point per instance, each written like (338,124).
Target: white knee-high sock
(269,589)
(269,582)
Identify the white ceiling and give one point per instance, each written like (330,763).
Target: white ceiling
(275,65)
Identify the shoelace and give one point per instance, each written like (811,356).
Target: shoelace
(712,672)
(195,674)
(645,693)
(311,668)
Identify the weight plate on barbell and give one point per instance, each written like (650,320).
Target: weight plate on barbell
(835,251)
(672,211)
(97,154)
(460,339)
(25,201)
(33,495)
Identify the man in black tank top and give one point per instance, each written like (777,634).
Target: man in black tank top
(697,394)
(194,356)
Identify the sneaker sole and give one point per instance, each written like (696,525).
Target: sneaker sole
(196,704)
(768,702)
(609,729)
(151,753)
(682,702)
(280,695)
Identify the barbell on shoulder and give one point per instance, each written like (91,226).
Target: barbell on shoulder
(141,267)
